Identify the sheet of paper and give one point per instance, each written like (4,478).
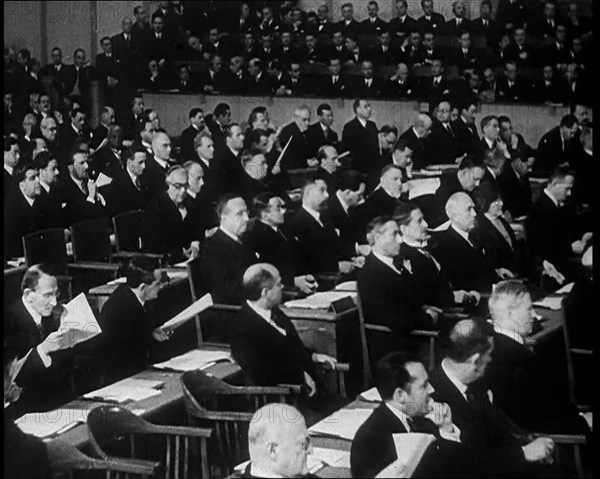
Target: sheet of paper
(177,274)
(347,286)
(331,457)
(565,289)
(16,262)
(370,395)
(550,302)
(52,422)
(195,359)
(127,390)
(442,227)
(188,313)
(410,448)
(422,187)
(183,264)
(342,424)
(427,172)
(103,180)
(313,463)
(118,281)
(79,323)
(321,300)
(588,416)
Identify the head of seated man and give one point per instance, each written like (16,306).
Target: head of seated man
(511,308)
(302,117)
(144,277)
(195,177)
(258,139)
(47,167)
(402,154)
(278,442)
(254,163)
(412,224)
(388,134)
(470,172)
(39,290)
(258,118)
(328,158)
(204,147)
(422,125)
(233,214)
(262,286)
(269,208)
(391,180)
(196,117)
(234,137)
(560,185)
(494,160)
(177,180)
(362,109)
(461,212)
(383,236)
(488,201)
(314,195)
(490,128)
(351,187)
(27,177)
(78,161)
(161,146)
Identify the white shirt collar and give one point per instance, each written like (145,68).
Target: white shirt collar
(45,186)
(162,163)
(416,132)
(74,129)
(132,176)
(28,199)
(266,315)
(323,127)
(191,194)
(137,297)
(315,214)
(231,235)
(549,195)
(205,161)
(386,260)
(462,234)
(148,146)
(342,202)
(9,169)
(256,471)
(389,193)
(509,333)
(79,183)
(462,388)
(489,143)
(400,415)
(490,170)
(362,122)
(415,244)
(37,317)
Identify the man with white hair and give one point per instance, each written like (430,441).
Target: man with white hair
(462,259)
(386,197)
(542,403)
(278,443)
(416,137)
(296,154)
(157,165)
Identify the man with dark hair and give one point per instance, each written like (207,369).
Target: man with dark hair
(443,140)
(484,26)
(227,159)
(373,25)
(511,14)
(417,138)
(459,24)
(58,70)
(220,118)
(79,78)
(367,85)
(297,152)
(430,21)
(359,136)
(465,128)
(127,328)
(107,159)
(402,24)
(107,119)
(484,426)
(512,87)
(128,190)
(329,164)
(12,153)
(258,82)
(49,199)
(72,130)
(106,71)
(435,88)
(186,81)
(321,133)
(133,121)
(555,147)
(159,45)
(186,139)
(226,256)
(348,25)
(387,195)
(211,80)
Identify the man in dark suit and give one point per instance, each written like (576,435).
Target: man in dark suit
(484,427)
(264,342)
(186,81)
(412,51)
(79,78)
(294,82)
(78,193)
(401,85)
(366,86)
(297,153)
(211,80)
(226,256)
(168,227)
(417,139)
(550,88)
(157,164)
(132,121)
(329,164)
(457,25)
(557,53)
(72,130)
(23,212)
(443,140)
(130,56)
(465,57)
(320,133)
(312,51)
(348,25)
(430,21)
(318,242)
(386,292)
(197,200)
(235,80)
(221,118)
(334,85)
(31,325)
(511,14)
(159,43)
(107,119)
(106,71)
(465,127)
(512,87)
(519,52)
(435,88)
(12,154)
(52,214)
(402,25)
(186,139)
(515,188)
(555,147)
(58,70)
(258,82)
(462,258)
(373,25)
(551,218)
(384,53)
(359,136)
(227,159)
(386,196)
(274,244)
(484,26)
(542,404)
(127,191)
(287,52)
(107,159)
(127,328)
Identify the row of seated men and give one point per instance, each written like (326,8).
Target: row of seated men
(486,396)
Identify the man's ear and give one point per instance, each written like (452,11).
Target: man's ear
(399,396)
(474,358)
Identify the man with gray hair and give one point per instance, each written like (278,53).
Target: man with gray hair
(297,152)
(158,164)
(416,137)
(278,443)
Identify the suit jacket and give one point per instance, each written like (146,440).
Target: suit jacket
(318,245)
(551,152)
(266,356)
(411,55)
(349,224)
(259,87)
(352,28)
(66,138)
(20,219)
(77,208)
(205,216)
(363,144)
(104,160)
(554,92)
(373,28)
(395,89)
(449,184)
(499,252)
(59,76)
(231,84)
(434,93)
(485,430)
(465,61)
(452,28)
(400,28)
(122,195)
(435,24)
(466,267)
(420,147)
(491,32)
(328,89)
(354,56)
(515,191)
(359,88)
(291,55)
(106,67)
(316,55)
(86,76)
(514,13)
(25,456)
(154,176)
(380,203)
(379,57)
(229,170)
(186,142)
(541,405)
(467,136)
(518,92)
(216,81)
(444,145)
(301,87)
(224,264)
(522,55)
(159,49)
(164,231)
(316,138)
(98,136)
(298,151)
(50,207)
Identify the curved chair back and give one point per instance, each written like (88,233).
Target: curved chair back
(91,240)
(127,227)
(46,246)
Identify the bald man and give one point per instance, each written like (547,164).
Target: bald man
(158,164)
(298,151)
(461,257)
(278,443)
(417,138)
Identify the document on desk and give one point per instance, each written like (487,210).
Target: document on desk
(550,302)
(410,448)
(370,395)
(127,390)
(188,313)
(195,359)
(347,286)
(321,300)
(341,424)
(422,187)
(79,323)
(566,289)
(45,424)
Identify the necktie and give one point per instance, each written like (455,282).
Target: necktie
(127,39)
(85,189)
(449,128)
(137,184)
(500,227)
(411,424)
(475,398)
(485,23)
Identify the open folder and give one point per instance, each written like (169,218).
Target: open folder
(195,359)
(202,304)
(410,448)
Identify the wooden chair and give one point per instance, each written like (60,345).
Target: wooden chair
(127,228)
(12,283)
(115,431)
(46,246)
(228,410)
(575,441)
(91,241)
(194,268)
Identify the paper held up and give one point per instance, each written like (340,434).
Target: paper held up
(202,304)
(103,180)
(410,448)
(78,323)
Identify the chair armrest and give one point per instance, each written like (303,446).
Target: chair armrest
(339,367)
(377,327)
(425,333)
(279,389)
(89,265)
(181,431)
(583,352)
(226,307)
(131,254)
(563,438)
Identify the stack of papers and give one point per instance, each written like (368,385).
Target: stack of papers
(565,289)
(341,424)
(171,274)
(422,187)
(371,395)
(347,286)
(320,300)
(127,390)
(195,359)
(45,424)
(79,323)
(550,302)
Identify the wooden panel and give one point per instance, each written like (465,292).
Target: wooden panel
(318,335)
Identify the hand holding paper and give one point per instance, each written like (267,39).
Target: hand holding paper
(202,304)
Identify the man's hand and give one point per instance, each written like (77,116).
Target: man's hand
(12,394)
(324,358)
(312,162)
(550,270)
(433,312)
(363,250)
(55,341)
(161,335)
(441,415)
(193,251)
(358,261)
(539,450)
(58,117)
(307,283)
(211,232)
(312,387)
(461,296)
(92,190)
(346,267)
(504,273)
(587,237)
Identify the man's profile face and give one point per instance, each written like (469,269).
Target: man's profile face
(198,121)
(195,179)
(492,130)
(388,240)
(206,149)
(563,188)
(418,400)
(11,158)
(50,173)
(392,181)
(237,138)
(364,109)
(355,198)
(302,119)
(464,214)
(293,450)
(30,186)
(177,182)
(138,164)
(235,216)
(138,106)
(275,213)
(162,147)
(443,112)
(317,195)
(43,298)
(522,314)
(416,229)
(80,166)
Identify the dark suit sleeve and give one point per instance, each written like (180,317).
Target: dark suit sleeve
(25,456)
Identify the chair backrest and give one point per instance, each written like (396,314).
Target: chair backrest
(46,246)
(228,410)
(91,240)
(12,284)
(127,227)
(194,268)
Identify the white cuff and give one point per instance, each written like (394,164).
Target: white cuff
(47,360)
(451,436)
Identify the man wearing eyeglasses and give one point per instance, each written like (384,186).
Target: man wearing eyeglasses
(32,324)
(168,226)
